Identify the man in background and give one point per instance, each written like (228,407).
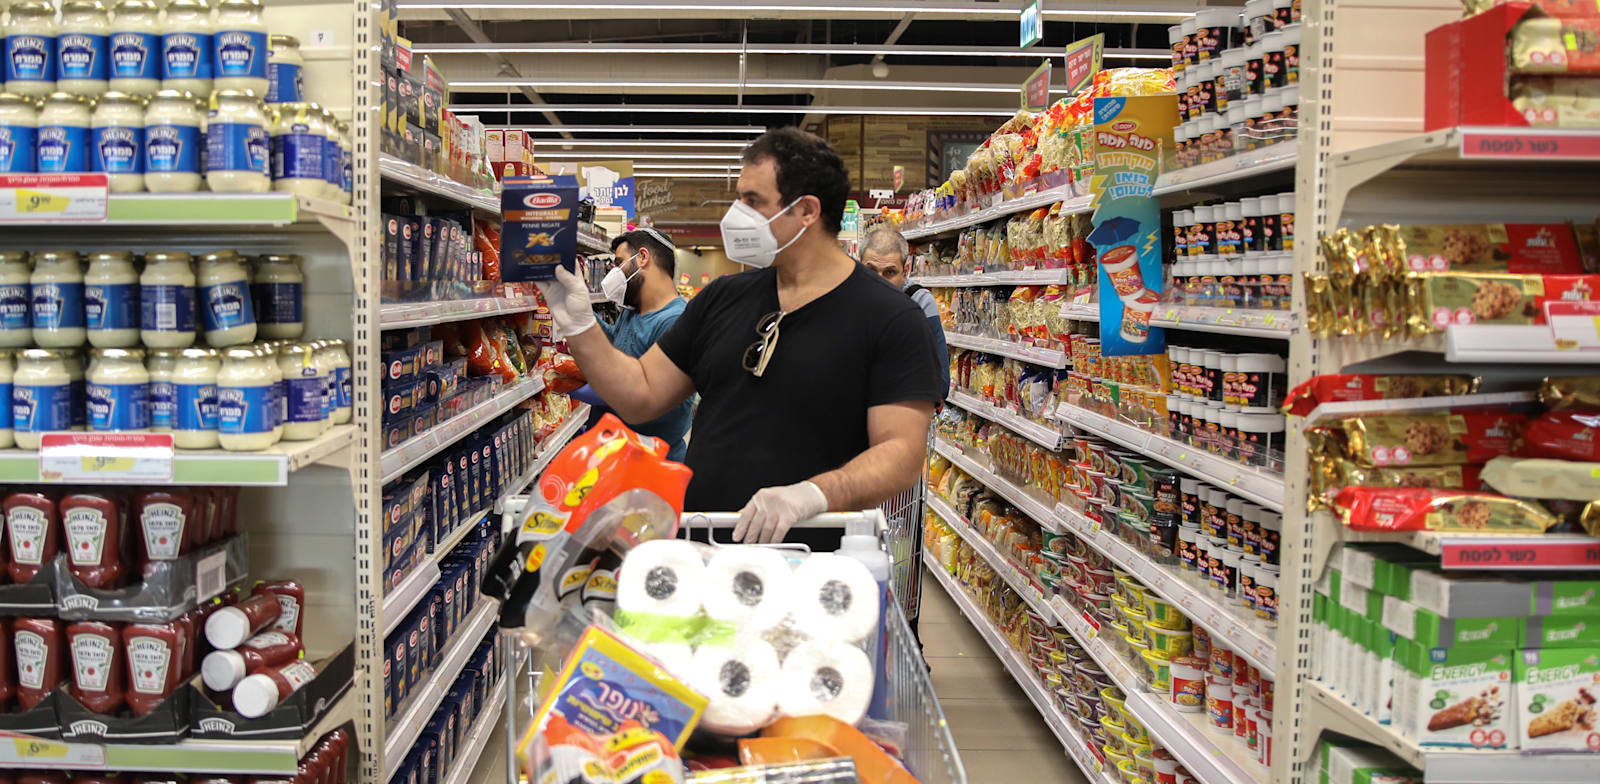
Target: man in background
(885,252)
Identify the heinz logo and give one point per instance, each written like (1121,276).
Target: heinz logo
(89,727)
(212,724)
(541,200)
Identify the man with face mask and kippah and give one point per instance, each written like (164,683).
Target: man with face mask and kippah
(817,378)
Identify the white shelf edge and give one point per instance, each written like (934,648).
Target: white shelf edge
(576,417)
(1248,322)
(401,459)
(1025,277)
(1048,357)
(1035,508)
(1063,193)
(405,315)
(484,727)
(1414,405)
(290,456)
(1523,344)
(593,242)
(1033,431)
(1270,159)
(406,726)
(399,602)
(414,176)
(1001,564)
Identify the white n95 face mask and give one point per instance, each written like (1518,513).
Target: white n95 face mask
(747,235)
(615,284)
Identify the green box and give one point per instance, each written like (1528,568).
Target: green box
(1433,630)
(1562,631)
(1353,764)
(1460,696)
(1556,690)
(1566,597)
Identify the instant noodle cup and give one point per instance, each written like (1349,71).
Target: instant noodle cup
(1115,733)
(1112,698)
(1159,668)
(1121,267)
(1166,766)
(1171,643)
(1164,614)
(1136,313)
(1113,754)
(1144,757)
(1188,686)
(1202,644)
(1137,734)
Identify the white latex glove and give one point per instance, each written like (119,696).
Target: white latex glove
(568,299)
(773,510)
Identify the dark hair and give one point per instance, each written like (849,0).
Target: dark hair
(807,166)
(659,243)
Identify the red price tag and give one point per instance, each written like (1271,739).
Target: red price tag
(1530,145)
(1555,554)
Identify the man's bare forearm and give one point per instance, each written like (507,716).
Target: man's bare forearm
(619,379)
(874,476)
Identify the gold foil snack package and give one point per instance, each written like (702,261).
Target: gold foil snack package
(1531,477)
(1570,392)
(1424,509)
(1522,248)
(1431,439)
(1449,477)
(1557,101)
(1548,45)
(1441,299)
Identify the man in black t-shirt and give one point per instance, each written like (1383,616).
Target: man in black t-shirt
(817,378)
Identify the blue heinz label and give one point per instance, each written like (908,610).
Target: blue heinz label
(347,177)
(226,305)
(119,407)
(37,409)
(133,56)
(280,392)
(16,149)
(31,58)
(342,382)
(63,148)
(166,308)
(163,403)
(305,399)
(57,305)
(277,303)
(117,150)
(284,83)
(240,53)
(172,148)
(186,56)
(5,404)
(297,154)
(111,305)
(332,161)
(82,56)
(14,303)
(196,407)
(245,409)
(237,147)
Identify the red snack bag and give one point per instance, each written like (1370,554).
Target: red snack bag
(1337,387)
(1563,435)
(1423,509)
(481,352)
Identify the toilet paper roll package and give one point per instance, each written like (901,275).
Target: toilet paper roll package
(741,683)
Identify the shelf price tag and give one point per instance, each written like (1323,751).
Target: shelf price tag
(1529,145)
(28,751)
(1522,554)
(106,457)
(1574,325)
(53,197)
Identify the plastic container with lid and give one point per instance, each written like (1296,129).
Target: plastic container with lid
(83,60)
(305,386)
(225,306)
(246,409)
(160,363)
(30,44)
(19,131)
(119,390)
(111,300)
(285,84)
(278,294)
(41,398)
(166,300)
(339,358)
(194,383)
(238,144)
(63,140)
(56,299)
(172,138)
(300,140)
(223,670)
(330,392)
(117,141)
(239,50)
(186,47)
(135,47)
(332,156)
(16,323)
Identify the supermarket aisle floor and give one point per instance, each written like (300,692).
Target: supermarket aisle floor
(1000,735)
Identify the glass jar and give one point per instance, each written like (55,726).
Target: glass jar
(245,407)
(332,156)
(225,306)
(172,123)
(119,390)
(305,386)
(118,141)
(186,47)
(56,299)
(7,356)
(41,399)
(166,300)
(279,405)
(330,393)
(135,46)
(278,294)
(111,300)
(285,83)
(238,146)
(347,180)
(16,323)
(19,128)
(239,50)
(339,358)
(63,143)
(299,146)
(194,385)
(82,50)
(30,67)
(160,363)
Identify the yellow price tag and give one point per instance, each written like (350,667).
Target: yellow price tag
(109,465)
(38,201)
(36,749)
(1270,320)
(1571,41)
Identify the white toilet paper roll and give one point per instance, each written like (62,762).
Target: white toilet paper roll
(741,682)
(749,587)
(664,577)
(826,677)
(835,598)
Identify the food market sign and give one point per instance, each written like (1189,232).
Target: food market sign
(1036,91)
(1083,61)
(1032,24)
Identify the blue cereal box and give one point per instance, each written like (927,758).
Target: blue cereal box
(541,227)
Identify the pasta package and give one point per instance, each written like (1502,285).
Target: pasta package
(1425,509)
(1432,439)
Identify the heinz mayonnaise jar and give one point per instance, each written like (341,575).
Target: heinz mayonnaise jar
(194,385)
(299,149)
(30,67)
(284,67)
(135,47)
(16,326)
(339,360)
(225,307)
(19,131)
(63,143)
(83,62)
(7,357)
(172,142)
(56,287)
(332,156)
(239,50)
(186,47)
(41,397)
(278,293)
(237,144)
(305,386)
(280,400)
(117,141)
(111,300)
(160,364)
(245,407)
(119,390)
(347,177)
(166,300)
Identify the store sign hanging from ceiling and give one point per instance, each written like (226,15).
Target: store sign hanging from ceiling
(1032,24)
(608,183)
(1036,91)
(1083,61)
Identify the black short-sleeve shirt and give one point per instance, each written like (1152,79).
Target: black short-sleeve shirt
(862,344)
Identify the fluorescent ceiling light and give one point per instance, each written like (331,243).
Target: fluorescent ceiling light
(753,130)
(631,142)
(540,152)
(907,50)
(737,9)
(555,85)
(613,108)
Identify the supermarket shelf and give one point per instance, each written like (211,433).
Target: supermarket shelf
(403,315)
(1247,636)
(255,757)
(1513,147)
(548,449)
(1253,163)
(1258,486)
(1324,710)
(1228,321)
(204,209)
(419,179)
(1076,745)
(1532,343)
(594,243)
(1032,277)
(409,722)
(1003,566)
(488,722)
(1054,358)
(399,602)
(1043,435)
(1497,552)
(1072,203)
(1415,405)
(410,454)
(270,466)
(1041,511)
(1082,311)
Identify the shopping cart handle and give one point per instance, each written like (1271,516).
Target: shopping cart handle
(868,522)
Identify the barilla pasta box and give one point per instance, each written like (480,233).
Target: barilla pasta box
(1558,699)
(541,227)
(1459,696)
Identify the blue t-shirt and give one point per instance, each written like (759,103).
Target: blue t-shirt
(634,334)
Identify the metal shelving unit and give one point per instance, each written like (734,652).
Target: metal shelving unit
(268,467)
(411,718)
(1041,434)
(1228,321)
(1049,357)
(412,177)
(1041,510)
(1074,198)
(422,314)
(416,451)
